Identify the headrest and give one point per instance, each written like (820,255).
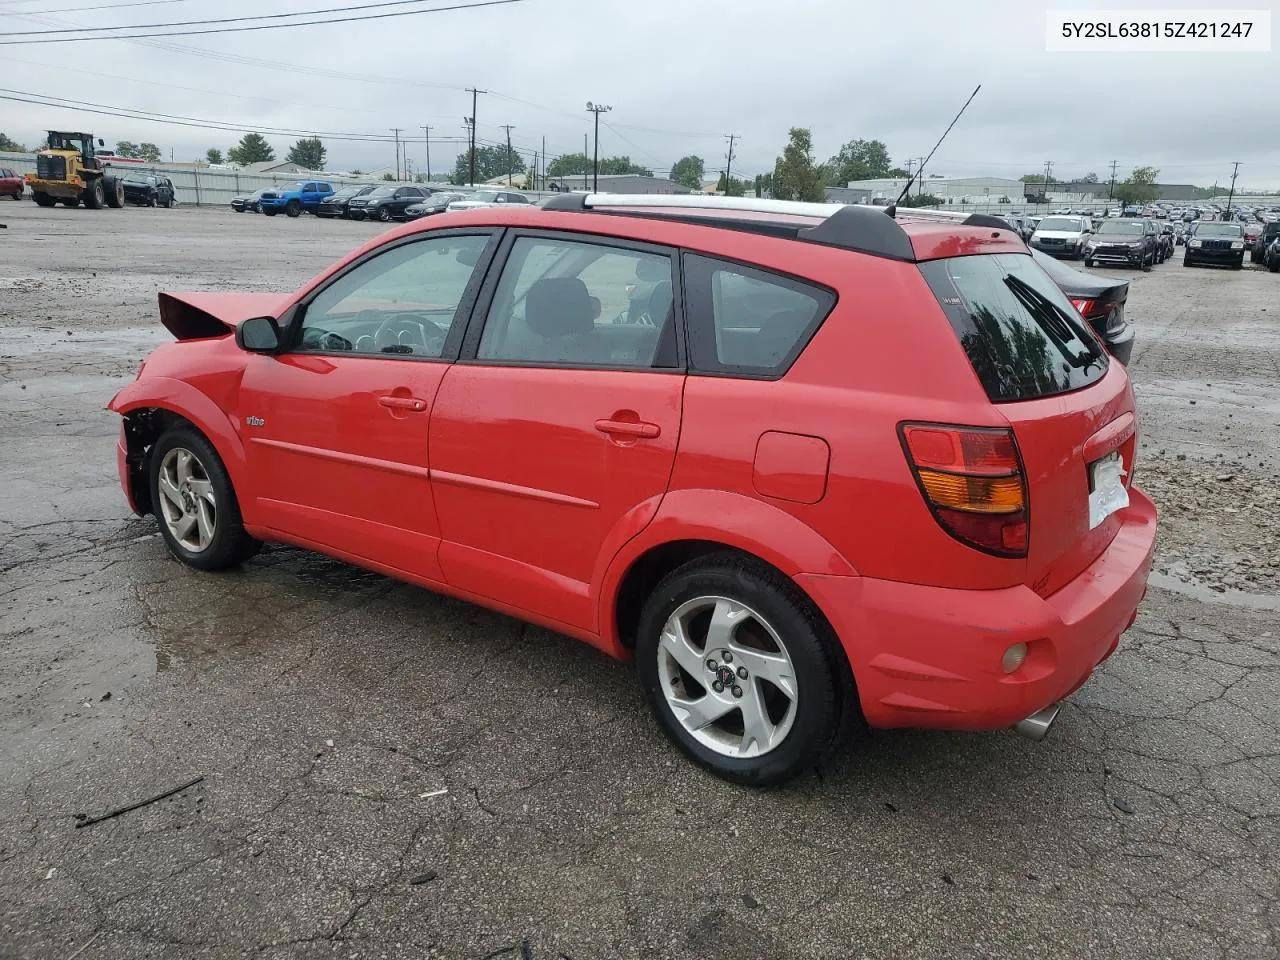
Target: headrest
(660,302)
(559,307)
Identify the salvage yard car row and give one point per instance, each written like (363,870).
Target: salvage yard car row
(385,202)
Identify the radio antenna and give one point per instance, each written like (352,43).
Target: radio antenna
(911,179)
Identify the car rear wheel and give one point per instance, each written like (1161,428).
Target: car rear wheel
(739,671)
(195,503)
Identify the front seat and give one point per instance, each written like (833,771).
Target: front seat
(562,314)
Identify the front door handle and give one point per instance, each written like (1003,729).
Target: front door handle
(403,403)
(629,428)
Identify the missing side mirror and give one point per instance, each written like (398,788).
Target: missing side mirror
(258,335)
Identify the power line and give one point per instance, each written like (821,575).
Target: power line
(198,23)
(130,113)
(267,26)
(101,6)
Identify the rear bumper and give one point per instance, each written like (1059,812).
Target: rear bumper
(1120,343)
(927,656)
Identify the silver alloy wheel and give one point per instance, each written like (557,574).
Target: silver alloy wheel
(187,504)
(742,698)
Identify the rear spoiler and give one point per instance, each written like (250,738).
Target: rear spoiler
(200,316)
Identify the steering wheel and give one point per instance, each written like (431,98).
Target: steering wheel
(327,340)
(429,336)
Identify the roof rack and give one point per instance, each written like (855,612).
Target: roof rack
(859,227)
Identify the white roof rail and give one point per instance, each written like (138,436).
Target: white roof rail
(924,213)
(690,201)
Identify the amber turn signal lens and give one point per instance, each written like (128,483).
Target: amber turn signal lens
(973,494)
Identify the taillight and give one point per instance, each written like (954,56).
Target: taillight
(1084,306)
(972,479)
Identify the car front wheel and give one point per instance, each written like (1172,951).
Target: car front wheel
(384,214)
(740,671)
(195,504)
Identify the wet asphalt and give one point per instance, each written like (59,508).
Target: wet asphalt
(387,773)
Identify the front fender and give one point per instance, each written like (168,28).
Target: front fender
(745,523)
(186,401)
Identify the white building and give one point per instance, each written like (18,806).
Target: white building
(950,189)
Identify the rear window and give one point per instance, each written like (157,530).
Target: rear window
(1021,334)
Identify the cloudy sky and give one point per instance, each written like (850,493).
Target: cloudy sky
(679,74)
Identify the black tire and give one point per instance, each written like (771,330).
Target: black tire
(43,199)
(230,545)
(1254,256)
(1239,264)
(152,201)
(823,682)
(238,209)
(113,192)
(70,202)
(292,208)
(168,203)
(384,214)
(1187,261)
(268,211)
(1274,265)
(1088,262)
(95,197)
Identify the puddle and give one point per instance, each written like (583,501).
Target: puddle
(1232,598)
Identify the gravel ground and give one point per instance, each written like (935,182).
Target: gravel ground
(391,774)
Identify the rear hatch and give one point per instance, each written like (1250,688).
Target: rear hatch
(1069,407)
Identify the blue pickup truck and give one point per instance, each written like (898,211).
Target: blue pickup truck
(303,195)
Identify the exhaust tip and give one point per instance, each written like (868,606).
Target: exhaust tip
(1036,726)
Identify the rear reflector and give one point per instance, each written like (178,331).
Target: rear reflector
(972,480)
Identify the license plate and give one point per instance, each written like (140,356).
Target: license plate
(1107,492)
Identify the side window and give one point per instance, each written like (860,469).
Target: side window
(581,304)
(404,301)
(746,321)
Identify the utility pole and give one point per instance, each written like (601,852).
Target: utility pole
(1111,190)
(728,169)
(508,127)
(1232,192)
(426,136)
(539,182)
(396,131)
(597,109)
(1048,168)
(585,184)
(920,177)
(474,96)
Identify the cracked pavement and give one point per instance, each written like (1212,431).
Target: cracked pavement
(327,707)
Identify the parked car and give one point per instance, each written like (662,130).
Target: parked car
(1219,243)
(1272,257)
(335,205)
(1100,301)
(11,183)
(148,190)
(1062,236)
(1166,242)
(1126,241)
(1258,252)
(304,196)
(1252,231)
(247,202)
(787,511)
(436,203)
(489,198)
(1133,210)
(385,203)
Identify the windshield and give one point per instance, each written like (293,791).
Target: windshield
(347,192)
(143,181)
(1130,228)
(1069,224)
(1219,230)
(1019,331)
(380,192)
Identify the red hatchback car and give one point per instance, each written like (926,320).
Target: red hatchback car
(801,462)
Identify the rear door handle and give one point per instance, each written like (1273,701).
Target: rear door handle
(629,428)
(403,403)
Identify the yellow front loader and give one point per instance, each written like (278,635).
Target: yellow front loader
(69,171)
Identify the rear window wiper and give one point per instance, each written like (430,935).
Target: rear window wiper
(1052,320)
